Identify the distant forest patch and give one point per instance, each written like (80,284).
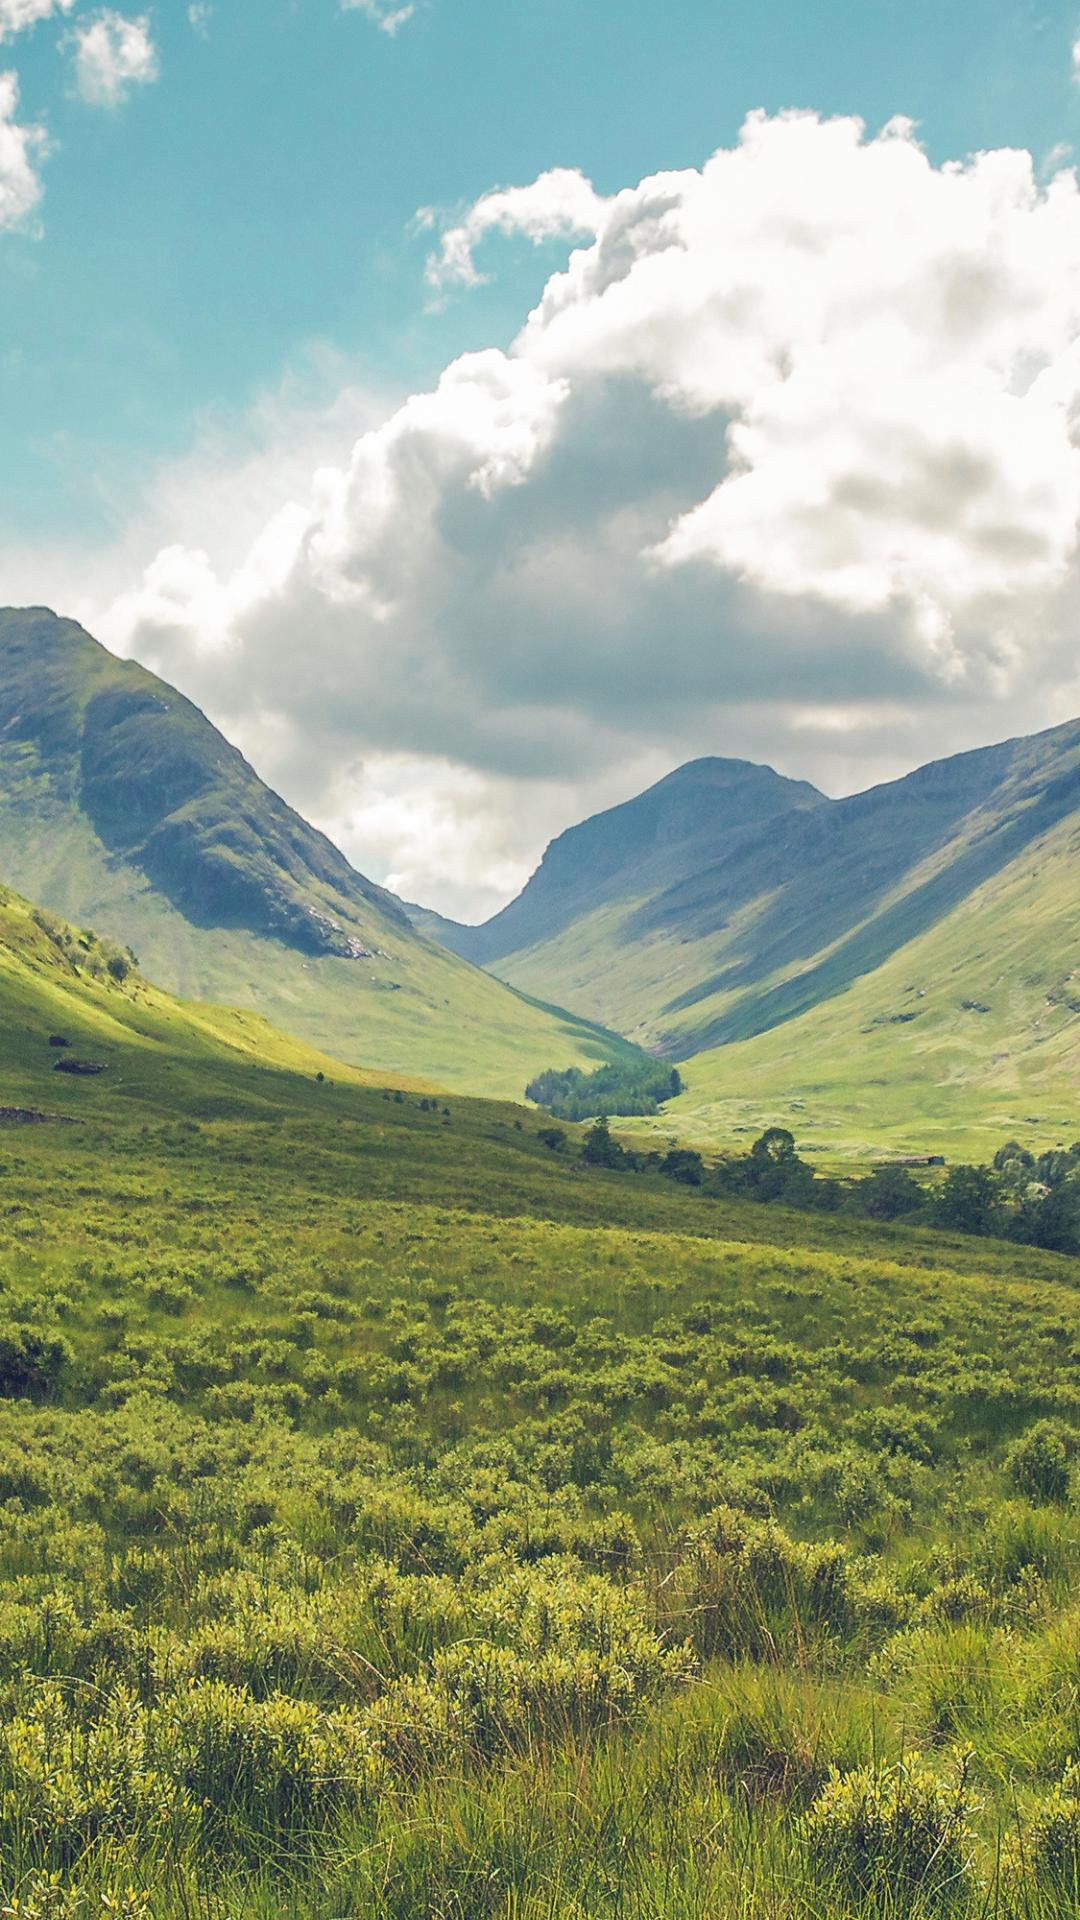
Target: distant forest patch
(620,1087)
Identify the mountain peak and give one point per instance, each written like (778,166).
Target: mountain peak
(651,841)
(123,808)
(167,794)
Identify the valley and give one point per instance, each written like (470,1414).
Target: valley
(380,1483)
(898,969)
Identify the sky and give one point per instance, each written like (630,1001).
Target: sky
(481,409)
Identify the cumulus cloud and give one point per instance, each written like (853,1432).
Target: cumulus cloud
(785,462)
(384,14)
(16,15)
(560,202)
(21,150)
(112,54)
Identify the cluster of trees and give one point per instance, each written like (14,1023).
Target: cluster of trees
(772,1170)
(92,953)
(1033,1199)
(1020,1196)
(619,1087)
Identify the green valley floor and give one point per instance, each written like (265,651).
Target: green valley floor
(402,1520)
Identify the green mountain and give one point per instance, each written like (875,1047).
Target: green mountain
(630,852)
(123,808)
(967,1035)
(889,949)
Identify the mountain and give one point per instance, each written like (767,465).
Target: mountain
(123,808)
(966,1036)
(643,846)
(773,938)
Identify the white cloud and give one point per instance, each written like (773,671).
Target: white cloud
(112,54)
(384,14)
(200,14)
(21,149)
(560,202)
(17,15)
(796,436)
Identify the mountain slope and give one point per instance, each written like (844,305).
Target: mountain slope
(122,807)
(766,913)
(967,1036)
(53,987)
(667,834)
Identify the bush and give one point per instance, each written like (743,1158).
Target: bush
(1054,1836)
(557,1654)
(32,1363)
(892,1830)
(64,1786)
(1038,1462)
(266,1768)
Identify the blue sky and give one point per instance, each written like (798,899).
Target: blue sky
(784,465)
(200,238)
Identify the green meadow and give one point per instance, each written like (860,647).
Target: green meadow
(401,1518)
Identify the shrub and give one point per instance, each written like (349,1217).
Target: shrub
(1038,1462)
(1054,1835)
(892,1830)
(265,1768)
(32,1363)
(64,1786)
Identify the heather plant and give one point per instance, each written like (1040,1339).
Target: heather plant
(398,1521)
(895,1831)
(1053,1838)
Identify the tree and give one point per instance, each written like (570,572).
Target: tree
(1057,1165)
(1014,1161)
(776,1145)
(889,1194)
(967,1201)
(1050,1220)
(774,1170)
(598,1149)
(683,1164)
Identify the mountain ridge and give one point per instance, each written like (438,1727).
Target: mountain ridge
(796,936)
(654,832)
(123,807)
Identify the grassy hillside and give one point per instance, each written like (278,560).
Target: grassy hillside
(798,904)
(401,1519)
(968,1036)
(878,970)
(121,807)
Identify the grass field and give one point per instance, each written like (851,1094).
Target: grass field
(400,1519)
